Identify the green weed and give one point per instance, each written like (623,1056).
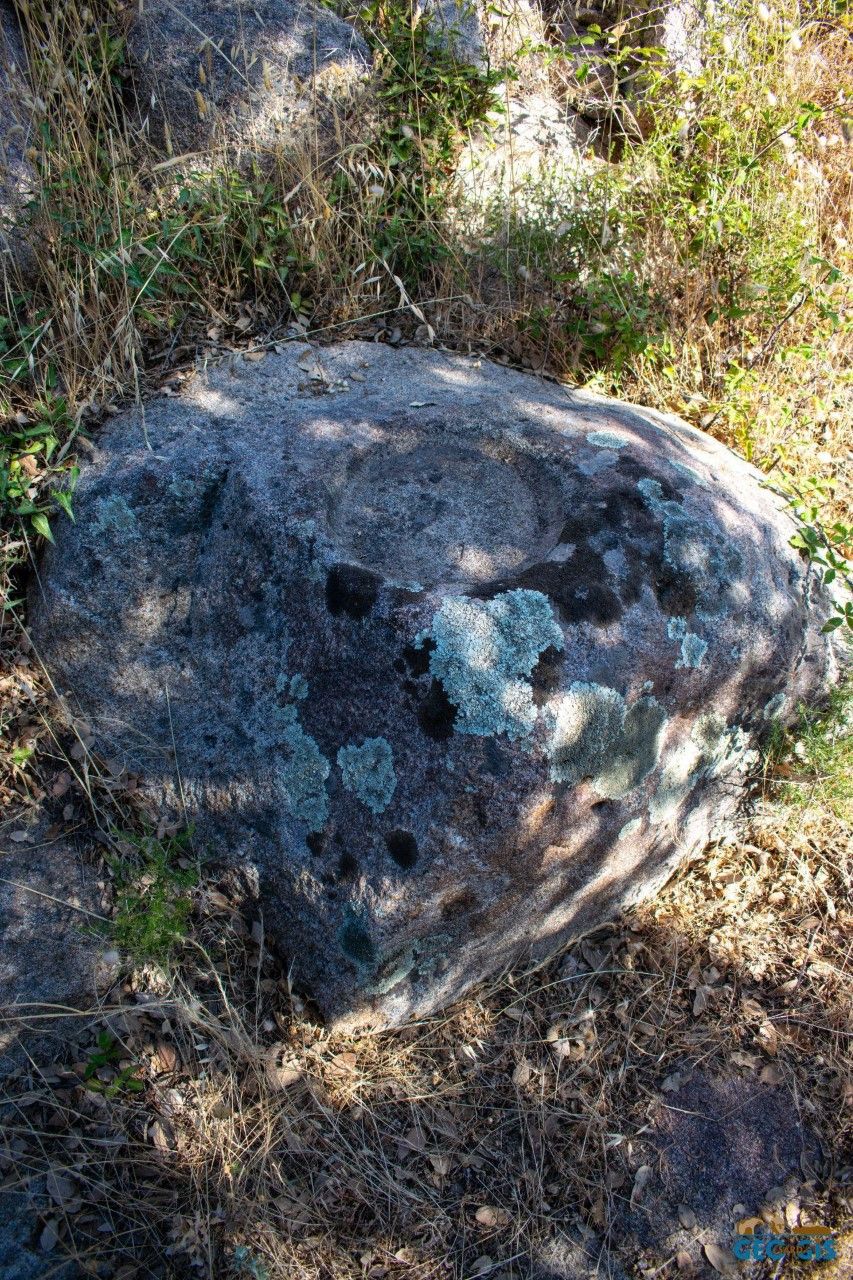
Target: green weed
(103,1061)
(813,761)
(828,544)
(153,906)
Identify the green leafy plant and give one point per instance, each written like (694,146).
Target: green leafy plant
(36,478)
(828,546)
(813,760)
(105,1059)
(429,99)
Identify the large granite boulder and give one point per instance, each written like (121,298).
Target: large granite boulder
(239,72)
(456,660)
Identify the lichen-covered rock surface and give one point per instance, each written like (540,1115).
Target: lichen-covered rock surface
(454,660)
(208,71)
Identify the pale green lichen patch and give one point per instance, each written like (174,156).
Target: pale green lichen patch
(691,474)
(114,516)
(302,776)
(483,653)
(606,440)
(368,771)
(298,687)
(697,550)
(711,749)
(678,778)
(630,829)
(693,647)
(595,735)
(775,706)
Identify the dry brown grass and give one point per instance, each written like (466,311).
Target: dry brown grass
(476,1142)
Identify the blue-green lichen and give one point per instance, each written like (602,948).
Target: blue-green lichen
(298,687)
(303,773)
(606,440)
(775,706)
(368,771)
(600,461)
(693,647)
(595,735)
(483,652)
(697,550)
(711,749)
(630,829)
(114,516)
(691,474)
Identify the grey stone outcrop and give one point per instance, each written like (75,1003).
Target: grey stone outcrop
(17,176)
(235,72)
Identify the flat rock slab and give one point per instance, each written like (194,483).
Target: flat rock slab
(51,957)
(212,71)
(458,661)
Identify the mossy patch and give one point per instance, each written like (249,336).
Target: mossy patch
(114,516)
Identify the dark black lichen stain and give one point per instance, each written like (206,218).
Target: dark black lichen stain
(356,942)
(316,842)
(352,590)
(403,848)
(347,866)
(437,714)
(577,586)
(417,659)
(546,675)
(583,587)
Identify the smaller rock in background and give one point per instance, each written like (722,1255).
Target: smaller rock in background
(17,177)
(455,26)
(209,71)
(536,144)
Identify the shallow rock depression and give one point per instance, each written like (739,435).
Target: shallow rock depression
(455,662)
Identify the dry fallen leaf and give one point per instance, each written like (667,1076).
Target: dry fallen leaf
(641,1179)
(522,1073)
(768,1038)
(686,1217)
(721,1259)
(492,1216)
(49,1235)
(700,1000)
